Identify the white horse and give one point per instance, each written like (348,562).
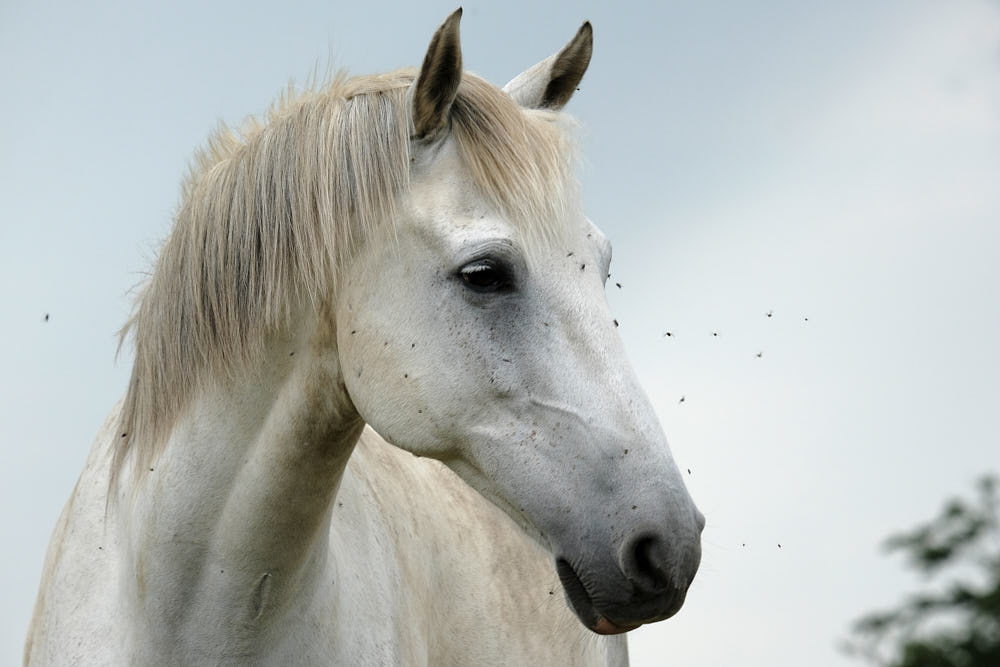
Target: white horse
(404,252)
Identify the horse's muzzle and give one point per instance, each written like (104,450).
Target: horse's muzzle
(650,585)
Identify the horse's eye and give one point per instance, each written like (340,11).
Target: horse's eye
(486,275)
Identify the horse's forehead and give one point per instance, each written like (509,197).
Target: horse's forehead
(447,209)
(441,183)
(446,194)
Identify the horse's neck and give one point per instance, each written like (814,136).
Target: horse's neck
(230,521)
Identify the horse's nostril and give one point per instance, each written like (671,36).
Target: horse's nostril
(644,562)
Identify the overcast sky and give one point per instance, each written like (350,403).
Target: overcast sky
(832,161)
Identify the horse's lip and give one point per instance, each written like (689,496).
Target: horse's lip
(583,605)
(606,627)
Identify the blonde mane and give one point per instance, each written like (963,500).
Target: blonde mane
(270,214)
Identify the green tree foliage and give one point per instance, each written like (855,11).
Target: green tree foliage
(955,622)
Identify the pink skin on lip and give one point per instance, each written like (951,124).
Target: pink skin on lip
(606,627)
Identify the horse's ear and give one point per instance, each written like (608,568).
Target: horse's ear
(437,84)
(550,83)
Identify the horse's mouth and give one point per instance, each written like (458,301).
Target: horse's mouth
(606,627)
(583,605)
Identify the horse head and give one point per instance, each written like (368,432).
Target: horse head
(475,330)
